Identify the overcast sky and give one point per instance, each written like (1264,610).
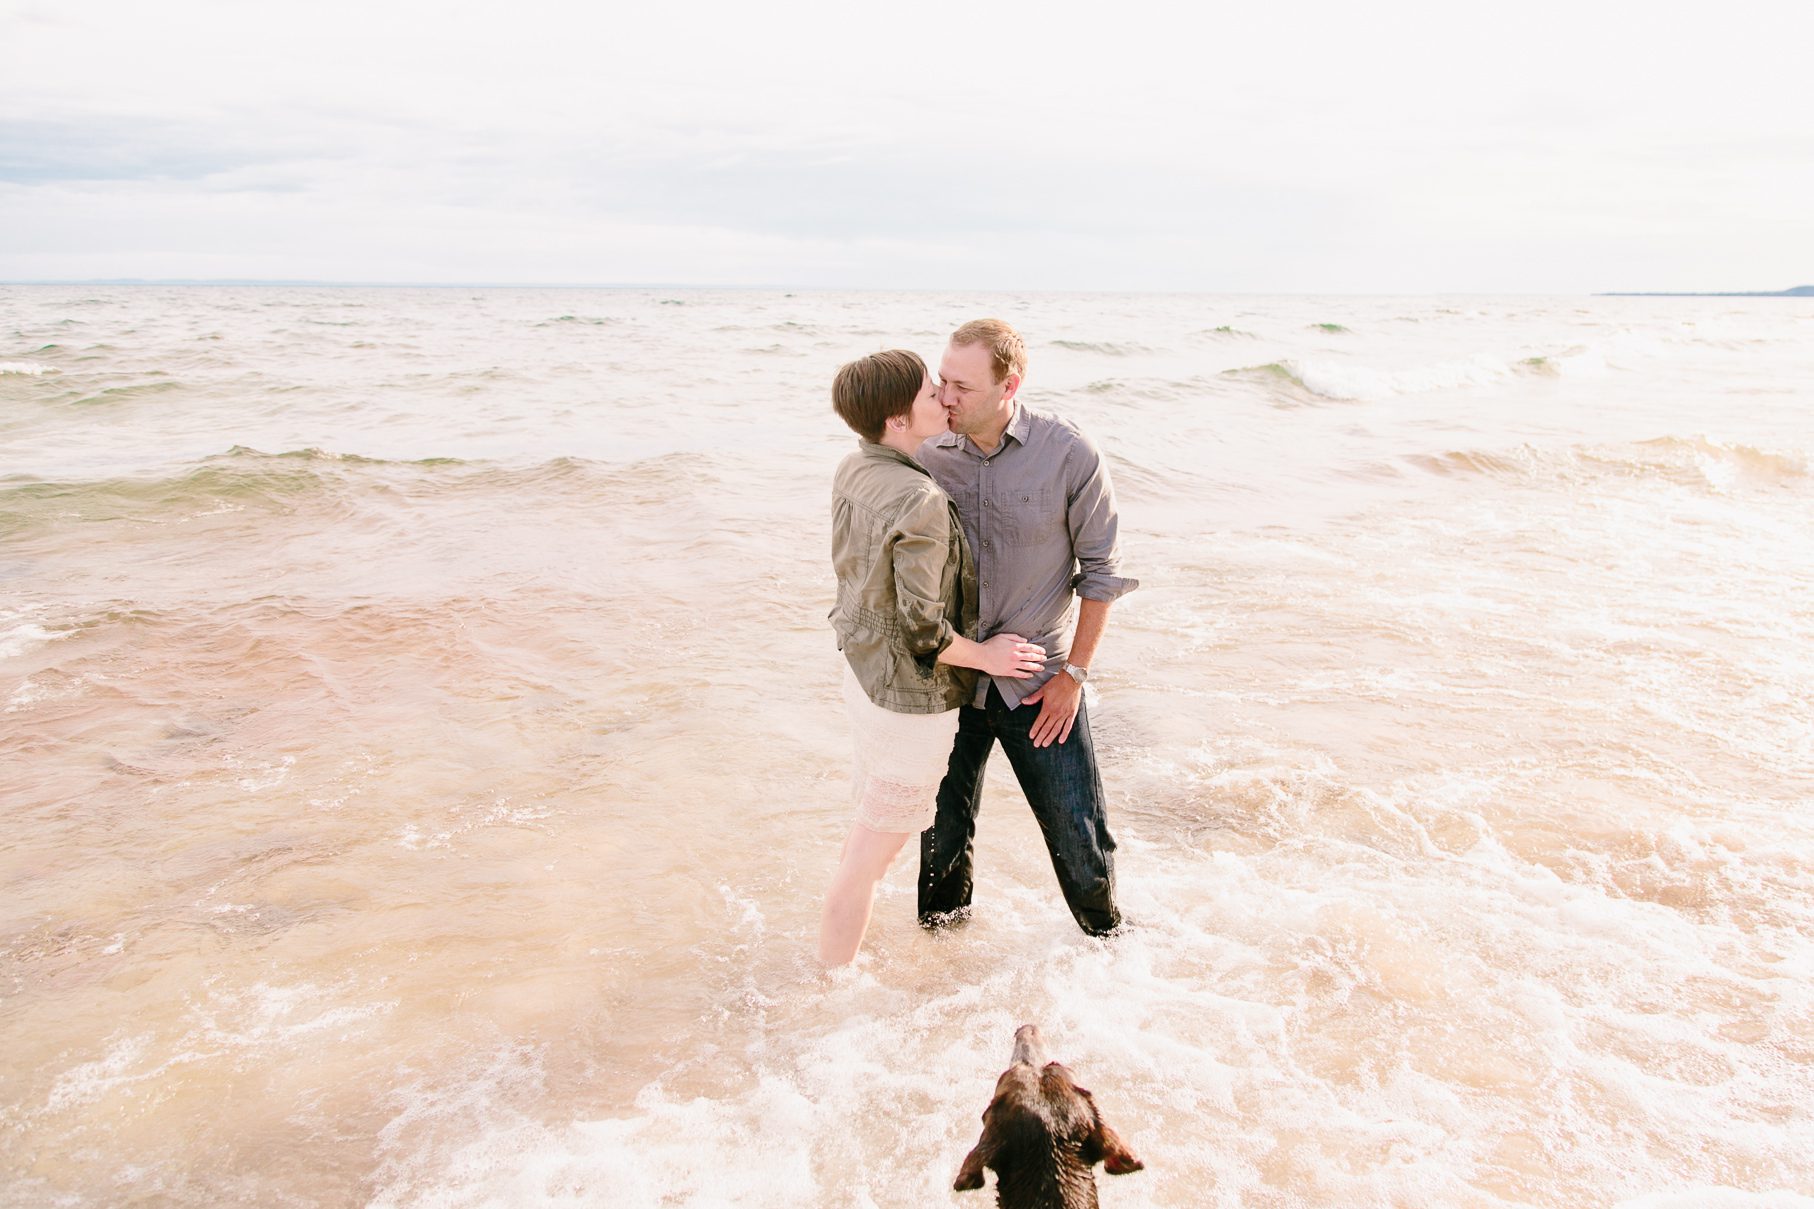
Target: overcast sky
(1294,147)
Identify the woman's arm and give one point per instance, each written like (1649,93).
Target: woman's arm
(1006,655)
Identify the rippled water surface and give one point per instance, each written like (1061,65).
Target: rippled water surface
(422,759)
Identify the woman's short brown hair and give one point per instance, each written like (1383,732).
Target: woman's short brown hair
(872,390)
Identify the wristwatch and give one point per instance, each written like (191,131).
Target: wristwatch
(1079,674)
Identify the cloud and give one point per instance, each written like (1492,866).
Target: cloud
(1408,146)
(116,148)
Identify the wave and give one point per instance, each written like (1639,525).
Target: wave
(1307,379)
(1102,347)
(18,639)
(125,394)
(237,479)
(1149,390)
(338,484)
(1470,462)
(1342,381)
(789,327)
(30,369)
(1280,381)
(314,454)
(1688,461)
(1698,460)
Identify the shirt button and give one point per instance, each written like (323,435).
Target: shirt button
(986,503)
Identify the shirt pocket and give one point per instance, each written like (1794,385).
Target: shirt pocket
(1033,516)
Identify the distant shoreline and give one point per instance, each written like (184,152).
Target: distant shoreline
(1800,291)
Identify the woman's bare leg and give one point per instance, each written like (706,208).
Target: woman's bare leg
(867,855)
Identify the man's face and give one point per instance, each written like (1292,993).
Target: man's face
(973,400)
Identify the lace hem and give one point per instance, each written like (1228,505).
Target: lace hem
(884,805)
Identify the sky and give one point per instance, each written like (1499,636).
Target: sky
(1308,147)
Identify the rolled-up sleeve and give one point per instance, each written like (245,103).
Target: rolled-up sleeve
(921,546)
(1095,525)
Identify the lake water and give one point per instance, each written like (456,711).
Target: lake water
(422,757)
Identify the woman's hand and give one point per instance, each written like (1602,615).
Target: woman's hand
(1011,656)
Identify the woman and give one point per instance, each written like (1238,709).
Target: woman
(906,603)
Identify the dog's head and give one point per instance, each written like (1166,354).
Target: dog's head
(1042,1136)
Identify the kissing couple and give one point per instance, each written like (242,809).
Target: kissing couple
(964,526)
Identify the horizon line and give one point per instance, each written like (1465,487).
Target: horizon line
(329,283)
(303,282)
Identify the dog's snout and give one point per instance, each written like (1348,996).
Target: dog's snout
(1029,1048)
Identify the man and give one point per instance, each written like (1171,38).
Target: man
(1034,497)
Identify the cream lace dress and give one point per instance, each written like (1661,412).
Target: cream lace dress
(899,761)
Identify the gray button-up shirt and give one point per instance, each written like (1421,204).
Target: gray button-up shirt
(1040,516)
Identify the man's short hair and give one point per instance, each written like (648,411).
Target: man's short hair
(1007,351)
(872,390)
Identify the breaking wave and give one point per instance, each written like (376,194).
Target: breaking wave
(1280,381)
(1688,461)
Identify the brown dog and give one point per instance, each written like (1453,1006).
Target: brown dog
(1042,1136)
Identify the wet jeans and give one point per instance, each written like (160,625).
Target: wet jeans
(1065,792)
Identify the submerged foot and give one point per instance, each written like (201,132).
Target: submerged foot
(938,920)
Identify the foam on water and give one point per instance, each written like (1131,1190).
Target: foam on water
(18,639)
(1339,380)
(1250,1010)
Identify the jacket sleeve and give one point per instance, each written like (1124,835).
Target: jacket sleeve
(921,547)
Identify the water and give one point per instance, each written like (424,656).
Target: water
(422,758)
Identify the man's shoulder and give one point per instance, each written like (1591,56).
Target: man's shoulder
(1051,426)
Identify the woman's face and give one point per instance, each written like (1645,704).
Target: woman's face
(927,417)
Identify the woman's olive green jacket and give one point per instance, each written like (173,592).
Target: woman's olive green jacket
(906,582)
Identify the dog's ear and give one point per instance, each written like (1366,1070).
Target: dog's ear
(1117,1159)
(1105,1146)
(970,1175)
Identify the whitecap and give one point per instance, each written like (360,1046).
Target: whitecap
(22,638)
(1334,380)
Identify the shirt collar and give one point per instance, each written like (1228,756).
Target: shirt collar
(1017,425)
(1017,428)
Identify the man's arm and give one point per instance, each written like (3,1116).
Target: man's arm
(1090,515)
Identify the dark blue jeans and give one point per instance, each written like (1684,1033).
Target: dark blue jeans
(1063,788)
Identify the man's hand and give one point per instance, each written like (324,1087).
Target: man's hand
(1058,699)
